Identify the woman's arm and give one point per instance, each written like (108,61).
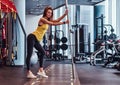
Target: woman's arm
(45,21)
(60,18)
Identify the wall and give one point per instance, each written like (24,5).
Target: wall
(20,5)
(118,17)
(31,23)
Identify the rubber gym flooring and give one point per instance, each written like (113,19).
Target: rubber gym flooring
(60,74)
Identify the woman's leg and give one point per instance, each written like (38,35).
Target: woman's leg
(30,45)
(41,53)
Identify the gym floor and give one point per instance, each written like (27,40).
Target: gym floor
(88,75)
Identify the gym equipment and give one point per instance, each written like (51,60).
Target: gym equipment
(80,57)
(57,56)
(44,40)
(115,56)
(51,47)
(99,25)
(51,36)
(81,38)
(9,13)
(117,45)
(118,66)
(71,51)
(82,41)
(69,30)
(57,40)
(110,48)
(104,38)
(34,58)
(45,47)
(102,52)
(57,47)
(64,39)
(45,43)
(64,46)
(93,57)
(112,35)
(3,39)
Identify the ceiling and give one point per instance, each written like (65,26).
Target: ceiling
(36,7)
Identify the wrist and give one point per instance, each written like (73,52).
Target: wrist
(64,14)
(64,22)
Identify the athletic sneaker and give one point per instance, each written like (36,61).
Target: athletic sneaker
(31,75)
(42,74)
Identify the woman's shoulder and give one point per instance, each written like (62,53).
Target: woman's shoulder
(41,21)
(42,18)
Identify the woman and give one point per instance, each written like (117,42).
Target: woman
(34,38)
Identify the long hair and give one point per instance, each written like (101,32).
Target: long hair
(45,11)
